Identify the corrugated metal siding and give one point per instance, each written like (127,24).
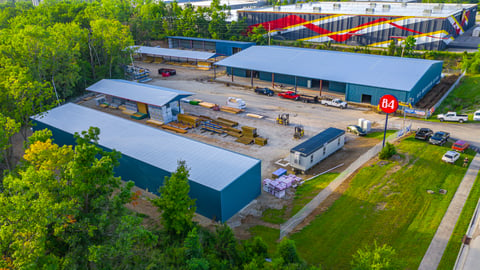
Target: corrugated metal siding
(337,87)
(241,192)
(425,84)
(355,92)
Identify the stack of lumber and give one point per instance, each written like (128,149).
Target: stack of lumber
(155,122)
(226,122)
(204,118)
(233,131)
(230,109)
(179,130)
(179,125)
(245,140)
(260,141)
(249,132)
(206,104)
(128,112)
(255,115)
(212,127)
(158,60)
(189,120)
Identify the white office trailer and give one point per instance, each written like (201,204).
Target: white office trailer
(311,152)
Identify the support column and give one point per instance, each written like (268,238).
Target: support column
(251,77)
(295,84)
(273,80)
(214,72)
(232,74)
(321,81)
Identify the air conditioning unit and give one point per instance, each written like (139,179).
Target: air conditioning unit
(318,9)
(336,6)
(372,5)
(427,12)
(404,4)
(298,6)
(386,7)
(276,8)
(369,10)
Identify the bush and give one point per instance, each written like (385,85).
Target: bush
(387,152)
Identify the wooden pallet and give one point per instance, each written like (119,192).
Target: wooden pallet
(206,104)
(178,130)
(155,122)
(230,109)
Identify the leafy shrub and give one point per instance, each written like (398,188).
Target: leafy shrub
(387,151)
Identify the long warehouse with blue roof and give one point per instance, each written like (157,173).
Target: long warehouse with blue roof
(362,78)
(221,181)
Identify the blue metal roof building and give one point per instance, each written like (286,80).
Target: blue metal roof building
(221,181)
(361,77)
(221,47)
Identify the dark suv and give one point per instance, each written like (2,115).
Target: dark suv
(264,91)
(423,134)
(439,138)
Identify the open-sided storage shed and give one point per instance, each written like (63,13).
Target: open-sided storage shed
(221,181)
(310,152)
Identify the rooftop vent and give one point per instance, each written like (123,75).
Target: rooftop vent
(298,5)
(438,8)
(372,5)
(404,4)
(369,10)
(317,8)
(427,12)
(336,6)
(386,7)
(276,8)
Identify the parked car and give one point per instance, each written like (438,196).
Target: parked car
(166,72)
(289,95)
(451,156)
(476,116)
(356,130)
(264,91)
(336,102)
(453,117)
(439,138)
(460,146)
(423,134)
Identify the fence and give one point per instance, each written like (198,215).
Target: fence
(293,222)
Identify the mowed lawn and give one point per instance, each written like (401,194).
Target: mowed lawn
(387,202)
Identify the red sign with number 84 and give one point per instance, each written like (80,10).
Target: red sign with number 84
(388,104)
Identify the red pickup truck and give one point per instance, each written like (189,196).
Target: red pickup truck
(289,95)
(460,146)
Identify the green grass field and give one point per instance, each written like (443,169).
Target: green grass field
(386,202)
(451,252)
(463,99)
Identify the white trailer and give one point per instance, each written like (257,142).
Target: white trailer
(309,153)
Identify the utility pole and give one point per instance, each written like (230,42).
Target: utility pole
(268,34)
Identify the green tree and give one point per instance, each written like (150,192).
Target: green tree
(8,128)
(375,258)
(193,248)
(287,251)
(258,35)
(391,48)
(174,203)
(410,43)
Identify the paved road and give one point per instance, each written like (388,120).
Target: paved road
(439,242)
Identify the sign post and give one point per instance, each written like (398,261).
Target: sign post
(388,104)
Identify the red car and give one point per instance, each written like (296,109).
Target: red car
(289,95)
(460,146)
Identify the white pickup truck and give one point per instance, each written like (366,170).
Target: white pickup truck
(336,102)
(453,117)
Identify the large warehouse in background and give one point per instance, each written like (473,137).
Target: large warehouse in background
(433,25)
(221,181)
(362,78)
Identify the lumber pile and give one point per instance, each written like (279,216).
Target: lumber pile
(178,130)
(245,140)
(158,60)
(260,141)
(230,109)
(249,132)
(255,115)
(206,104)
(147,59)
(155,122)
(189,120)
(233,131)
(209,126)
(227,122)
(179,125)
(128,112)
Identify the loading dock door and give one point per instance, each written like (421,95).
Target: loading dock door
(367,99)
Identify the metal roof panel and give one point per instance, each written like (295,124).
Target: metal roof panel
(209,165)
(355,68)
(316,142)
(199,55)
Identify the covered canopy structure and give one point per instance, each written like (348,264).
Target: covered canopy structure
(164,52)
(360,77)
(159,103)
(221,181)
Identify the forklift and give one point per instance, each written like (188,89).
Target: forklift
(299,132)
(283,119)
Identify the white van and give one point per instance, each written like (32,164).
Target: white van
(236,103)
(476,116)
